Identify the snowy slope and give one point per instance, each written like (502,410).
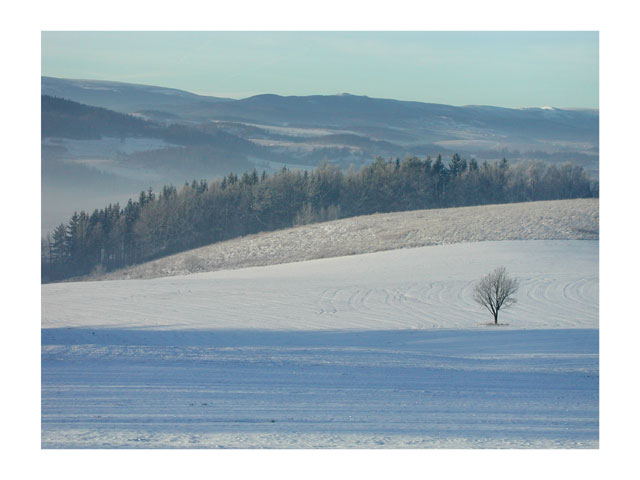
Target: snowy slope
(416,288)
(551,220)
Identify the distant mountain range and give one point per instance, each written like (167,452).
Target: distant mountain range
(343,111)
(154,135)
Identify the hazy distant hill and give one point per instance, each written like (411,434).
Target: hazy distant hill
(341,110)
(119,96)
(351,110)
(63,118)
(66,119)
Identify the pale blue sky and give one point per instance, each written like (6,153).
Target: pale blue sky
(511,69)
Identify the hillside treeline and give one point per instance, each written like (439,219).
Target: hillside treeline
(200,213)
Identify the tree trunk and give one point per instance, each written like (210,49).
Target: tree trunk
(495,318)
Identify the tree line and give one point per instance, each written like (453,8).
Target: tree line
(200,213)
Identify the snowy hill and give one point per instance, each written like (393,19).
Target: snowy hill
(420,288)
(551,220)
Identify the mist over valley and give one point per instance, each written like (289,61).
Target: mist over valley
(116,139)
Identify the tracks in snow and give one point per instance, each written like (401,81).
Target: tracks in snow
(568,302)
(429,287)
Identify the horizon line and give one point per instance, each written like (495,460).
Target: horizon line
(315,95)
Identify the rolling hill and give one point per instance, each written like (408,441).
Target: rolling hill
(549,220)
(120,96)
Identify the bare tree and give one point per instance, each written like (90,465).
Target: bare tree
(496,291)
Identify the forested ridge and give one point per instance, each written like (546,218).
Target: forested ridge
(201,213)
(67,119)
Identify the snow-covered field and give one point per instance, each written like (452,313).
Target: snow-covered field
(399,289)
(249,389)
(384,349)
